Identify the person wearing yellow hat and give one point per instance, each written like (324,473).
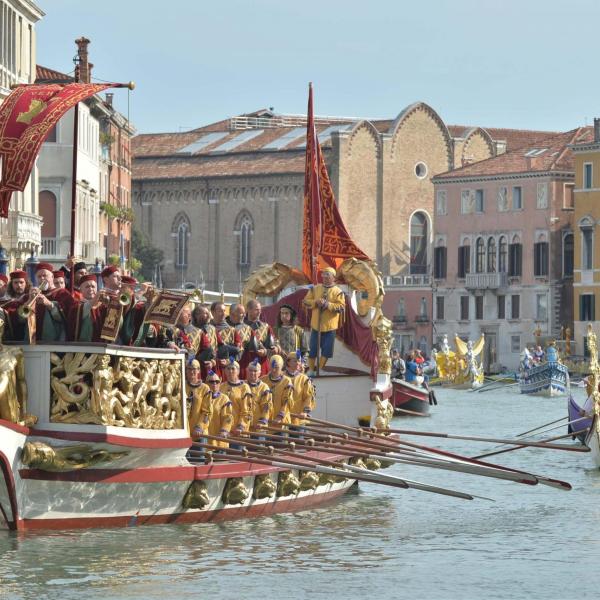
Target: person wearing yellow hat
(281,389)
(196,389)
(262,398)
(327,303)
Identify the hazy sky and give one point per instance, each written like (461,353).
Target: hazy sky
(502,63)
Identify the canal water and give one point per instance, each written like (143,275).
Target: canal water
(379,543)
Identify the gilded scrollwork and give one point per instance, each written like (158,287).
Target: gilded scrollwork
(116,390)
(263,487)
(287,484)
(39,455)
(309,480)
(381,328)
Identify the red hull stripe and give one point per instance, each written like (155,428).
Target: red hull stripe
(269,508)
(116,440)
(14,426)
(10,486)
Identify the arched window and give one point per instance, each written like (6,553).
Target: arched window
(502,254)
(568,254)
(491,255)
(480,256)
(418,244)
(244,229)
(47,202)
(181,232)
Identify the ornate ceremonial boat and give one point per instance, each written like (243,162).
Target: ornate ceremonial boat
(460,369)
(110,442)
(409,398)
(547,379)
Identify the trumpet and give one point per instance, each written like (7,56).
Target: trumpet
(24,311)
(124,297)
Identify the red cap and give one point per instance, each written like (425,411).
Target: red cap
(18,275)
(109,270)
(128,280)
(46,266)
(58,274)
(87,278)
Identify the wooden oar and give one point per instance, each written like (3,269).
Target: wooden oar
(542,426)
(473,438)
(557,483)
(523,445)
(504,385)
(285,463)
(411,412)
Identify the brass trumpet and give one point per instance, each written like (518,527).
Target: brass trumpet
(24,311)
(124,298)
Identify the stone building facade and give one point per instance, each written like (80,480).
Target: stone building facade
(503,249)
(20,234)
(223,199)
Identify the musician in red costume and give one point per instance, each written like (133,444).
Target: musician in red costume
(86,317)
(17,289)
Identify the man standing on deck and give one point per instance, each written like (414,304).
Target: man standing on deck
(327,303)
(262,338)
(303,394)
(228,338)
(237,312)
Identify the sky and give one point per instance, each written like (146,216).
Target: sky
(525,64)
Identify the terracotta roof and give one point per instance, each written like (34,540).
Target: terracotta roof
(219,165)
(550,153)
(47,75)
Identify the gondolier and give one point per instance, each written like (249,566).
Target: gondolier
(326,300)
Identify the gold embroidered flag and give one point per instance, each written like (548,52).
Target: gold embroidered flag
(166,307)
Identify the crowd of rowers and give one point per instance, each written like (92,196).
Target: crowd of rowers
(242,374)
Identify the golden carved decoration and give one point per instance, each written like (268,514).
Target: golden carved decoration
(309,480)
(462,366)
(269,280)
(327,479)
(235,491)
(385,412)
(372,463)
(287,484)
(381,329)
(39,455)
(595,373)
(263,487)
(35,108)
(13,387)
(363,277)
(196,496)
(116,390)
(358,461)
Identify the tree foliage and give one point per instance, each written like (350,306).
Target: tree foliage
(142,251)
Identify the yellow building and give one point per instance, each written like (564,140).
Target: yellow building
(586,271)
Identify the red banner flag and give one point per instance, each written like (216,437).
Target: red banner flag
(26,118)
(326,241)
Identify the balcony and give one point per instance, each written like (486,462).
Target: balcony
(407,281)
(49,246)
(486,281)
(25,230)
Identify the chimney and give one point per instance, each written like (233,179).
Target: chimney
(596,130)
(83,70)
(109,99)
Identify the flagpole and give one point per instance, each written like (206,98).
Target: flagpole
(74,196)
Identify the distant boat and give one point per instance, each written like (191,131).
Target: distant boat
(409,397)
(547,379)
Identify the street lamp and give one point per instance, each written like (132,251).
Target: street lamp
(97,270)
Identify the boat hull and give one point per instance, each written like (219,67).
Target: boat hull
(549,379)
(124,497)
(592,441)
(409,397)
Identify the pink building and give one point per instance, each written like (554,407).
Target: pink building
(503,248)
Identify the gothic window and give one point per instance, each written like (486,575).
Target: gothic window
(181,231)
(491,255)
(586,226)
(480,256)
(244,229)
(502,254)
(568,255)
(418,244)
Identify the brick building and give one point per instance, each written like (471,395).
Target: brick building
(227,197)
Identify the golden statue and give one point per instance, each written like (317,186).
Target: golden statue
(287,484)
(263,487)
(309,480)
(196,496)
(235,491)
(13,387)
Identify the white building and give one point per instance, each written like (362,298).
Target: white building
(20,234)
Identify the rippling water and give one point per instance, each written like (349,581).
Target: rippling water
(532,542)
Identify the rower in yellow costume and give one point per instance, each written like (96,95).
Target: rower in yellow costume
(327,303)
(240,396)
(303,396)
(215,414)
(196,390)
(262,399)
(282,390)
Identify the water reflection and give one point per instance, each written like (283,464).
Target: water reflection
(379,542)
